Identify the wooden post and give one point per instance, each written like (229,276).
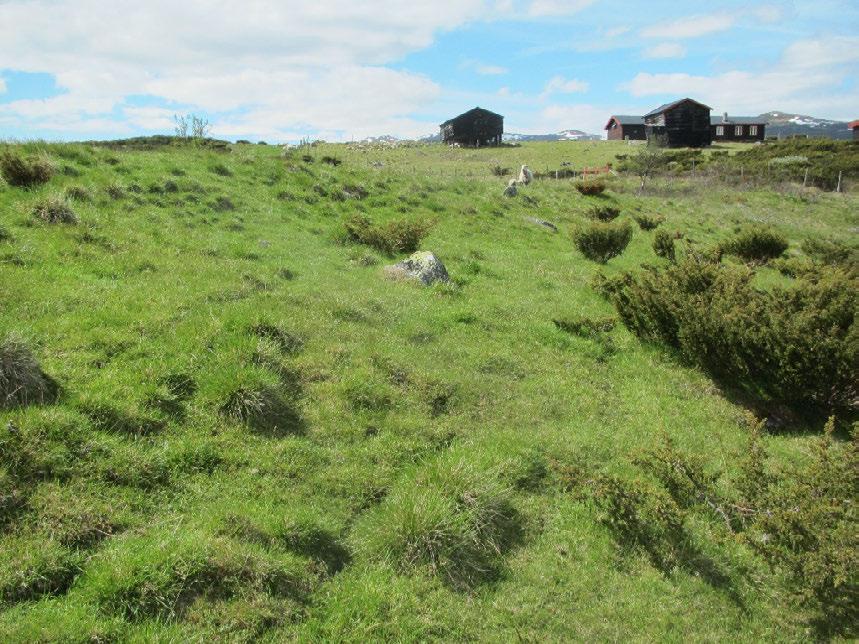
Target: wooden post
(805,179)
(742,174)
(693,167)
(838,189)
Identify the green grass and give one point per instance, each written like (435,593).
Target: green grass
(258,436)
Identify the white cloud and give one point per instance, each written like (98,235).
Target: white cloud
(690,26)
(809,78)
(541,8)
(561,85)
(585,117)
(491,70)
(665,50)
(283,65)
(614,32)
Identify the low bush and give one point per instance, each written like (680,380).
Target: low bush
(221,170)
(798,519)
(25,173)
(55,210)
(833,253)
(22,380)
(663,245)
(591,188)
(796,346)
(391,237)
(604,212)
(602,241)
(648,222)
(584,326)
(756,245)
(449,517)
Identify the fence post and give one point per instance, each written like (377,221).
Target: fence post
(805,179)
(838,189)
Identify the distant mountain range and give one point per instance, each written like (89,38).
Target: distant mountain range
(784,124)
(781,124)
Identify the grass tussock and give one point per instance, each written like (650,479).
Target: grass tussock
(449,517)
(55,210)
(22,381)
(25,172)
(663,245)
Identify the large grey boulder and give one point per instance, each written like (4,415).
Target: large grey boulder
(422,265)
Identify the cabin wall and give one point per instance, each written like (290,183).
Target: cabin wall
(856,133)
(731,135)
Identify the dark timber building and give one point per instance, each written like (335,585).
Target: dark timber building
(625,128)
(474,128)
(747,129)
(681,124)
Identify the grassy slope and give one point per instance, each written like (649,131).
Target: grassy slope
(395,380)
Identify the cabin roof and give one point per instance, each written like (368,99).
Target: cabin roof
(668,106)
(472,112)
(625,119)
(853,124)
(737,120)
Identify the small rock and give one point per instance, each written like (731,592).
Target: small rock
(511,190)
(422,265)
(543,223)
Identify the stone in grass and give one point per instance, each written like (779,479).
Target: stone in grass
(422,265)
(511,190)
(543,223)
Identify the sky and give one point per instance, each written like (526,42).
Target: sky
(340,70)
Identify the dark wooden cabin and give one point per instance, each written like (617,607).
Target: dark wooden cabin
(747,129)
(682,124)
(474,128)
(625,128)
(854,125)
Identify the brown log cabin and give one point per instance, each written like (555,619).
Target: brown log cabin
(625,128)
(475,128)
(682,124)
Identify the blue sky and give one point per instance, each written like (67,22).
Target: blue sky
(340,70)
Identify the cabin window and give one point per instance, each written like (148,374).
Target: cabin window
(738,130)
(720,130)
(753,130)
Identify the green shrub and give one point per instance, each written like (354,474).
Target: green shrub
(22,380)
(756,245)
(799,519)
(834,253)
(602,241)
(55,210)
(448,516)
(25,173)
(648,222)
(604,212)
(798,346)
(590,187)
(663,245)
(398,236)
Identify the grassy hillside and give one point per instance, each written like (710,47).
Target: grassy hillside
(256,435)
